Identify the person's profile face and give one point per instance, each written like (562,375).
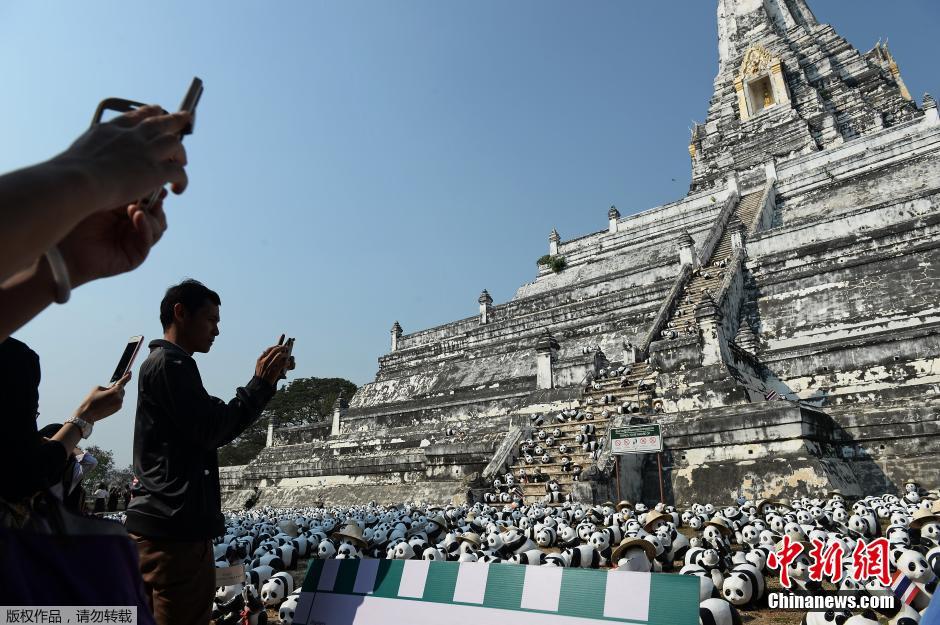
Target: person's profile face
(202,326)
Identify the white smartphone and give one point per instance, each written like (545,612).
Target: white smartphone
(127,358)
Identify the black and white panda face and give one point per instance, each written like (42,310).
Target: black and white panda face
(737,589)
(585,530)
(599,540)
(930,531)
(750,535)
(712,535)
(914,565)
(798,569)
(286,612)
(326,550)
(556,433)
(545,537)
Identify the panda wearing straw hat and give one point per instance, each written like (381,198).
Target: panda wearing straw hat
(350,542)
(633,554)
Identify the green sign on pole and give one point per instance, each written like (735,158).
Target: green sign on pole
(636,439)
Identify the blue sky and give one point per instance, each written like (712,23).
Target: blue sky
(360,162)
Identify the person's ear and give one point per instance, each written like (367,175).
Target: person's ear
(179,312)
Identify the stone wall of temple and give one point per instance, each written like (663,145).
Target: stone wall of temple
(826,299)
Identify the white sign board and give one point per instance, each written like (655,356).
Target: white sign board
(636,439)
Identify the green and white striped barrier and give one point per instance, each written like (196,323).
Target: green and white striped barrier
(421,592)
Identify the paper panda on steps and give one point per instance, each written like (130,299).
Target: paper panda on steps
(717,612)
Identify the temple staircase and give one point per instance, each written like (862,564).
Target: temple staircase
(629,392)
(706,279)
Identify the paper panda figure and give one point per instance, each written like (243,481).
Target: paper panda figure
(915,567)
(326,550)
(589,429)
(576,472)
(719,612)
(225,594)
(545,537)
(288,608)
(254,611)
(830,617)
(276,589)
(707,589)
(744,586)
(257,576)
(348,550)
(545,459)
(434,554)
(555,559)
(538,420)
(583,556)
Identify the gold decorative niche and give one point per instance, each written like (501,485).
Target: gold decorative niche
(760,84)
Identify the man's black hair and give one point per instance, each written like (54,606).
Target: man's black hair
(192,294)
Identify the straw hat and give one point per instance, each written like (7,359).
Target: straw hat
(626,543)
(779,503)
(720,523)
(936,507)
(353,532)
(471,537)
(922,517)
(624,504)
(439,519)
(807,547)
(654,516)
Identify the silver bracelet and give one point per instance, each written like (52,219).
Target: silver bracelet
(60,273)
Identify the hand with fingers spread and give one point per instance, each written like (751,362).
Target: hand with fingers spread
(103,401)
(271,364)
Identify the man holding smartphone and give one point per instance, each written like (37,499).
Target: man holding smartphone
(176,509)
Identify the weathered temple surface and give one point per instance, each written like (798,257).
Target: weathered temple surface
(780,321)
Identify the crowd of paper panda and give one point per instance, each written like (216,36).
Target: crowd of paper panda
(728,549)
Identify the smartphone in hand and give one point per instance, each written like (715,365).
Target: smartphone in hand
(127,358)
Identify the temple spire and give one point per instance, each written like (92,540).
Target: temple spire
(738,18)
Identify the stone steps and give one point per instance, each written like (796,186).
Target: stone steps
(683,322)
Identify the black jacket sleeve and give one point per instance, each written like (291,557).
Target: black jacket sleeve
(206,421)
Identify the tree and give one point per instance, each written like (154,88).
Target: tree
(303,401)
(102,470)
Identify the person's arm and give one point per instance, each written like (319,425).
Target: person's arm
(104,244)
(208,421)
(111,164)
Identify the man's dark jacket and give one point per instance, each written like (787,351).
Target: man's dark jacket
(178,429)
